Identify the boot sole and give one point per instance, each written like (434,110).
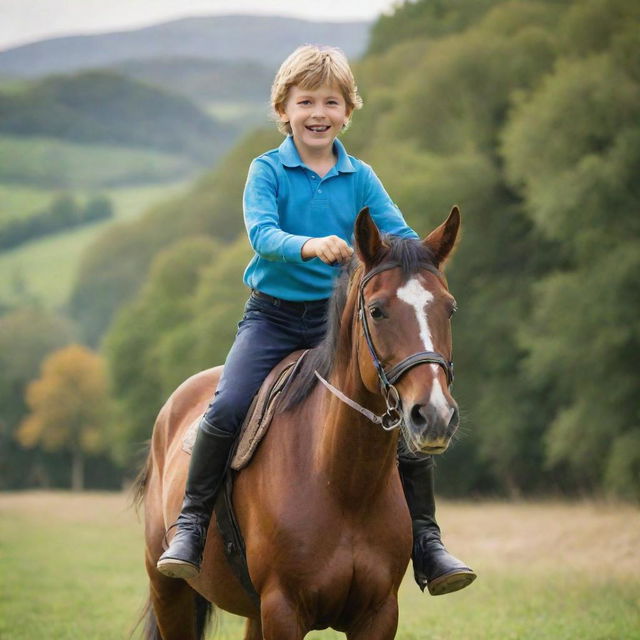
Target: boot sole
(173,568)
(451,582)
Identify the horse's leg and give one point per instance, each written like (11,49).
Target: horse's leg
(177,611)
(253,630)
(279,618)
(378,625)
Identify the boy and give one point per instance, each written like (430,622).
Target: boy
(300,204)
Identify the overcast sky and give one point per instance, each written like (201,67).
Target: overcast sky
(23,21)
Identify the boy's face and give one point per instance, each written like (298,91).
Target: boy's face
(316,116)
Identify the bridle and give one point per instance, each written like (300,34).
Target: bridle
(392,418)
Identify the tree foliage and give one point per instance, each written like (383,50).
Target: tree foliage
(27,335)
(63,213)
(69,407)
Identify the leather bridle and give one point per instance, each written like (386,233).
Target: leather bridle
(392,418)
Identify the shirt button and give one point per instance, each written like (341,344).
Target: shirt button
(319,190)
(313,177)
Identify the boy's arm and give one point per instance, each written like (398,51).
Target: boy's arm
(384,211)
(262,220)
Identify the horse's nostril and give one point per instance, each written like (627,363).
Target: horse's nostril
(455,419)
(417,417)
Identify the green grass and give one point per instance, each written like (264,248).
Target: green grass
(242,114)
(53,162)
(16,201)
(72,567)
(46,268)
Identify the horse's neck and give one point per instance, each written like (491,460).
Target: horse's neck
(355,456)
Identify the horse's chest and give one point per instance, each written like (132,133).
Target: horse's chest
(349,574)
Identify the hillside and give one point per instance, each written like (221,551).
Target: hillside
(103,107)
(204,80)
(263,39)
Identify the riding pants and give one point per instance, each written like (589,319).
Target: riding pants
(270,329)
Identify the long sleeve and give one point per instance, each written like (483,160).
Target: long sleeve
(384,211)
(262,219)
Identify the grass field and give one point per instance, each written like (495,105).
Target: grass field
(36,160)
(71,567)
(47,266)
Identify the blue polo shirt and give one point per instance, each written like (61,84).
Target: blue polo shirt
(286,204)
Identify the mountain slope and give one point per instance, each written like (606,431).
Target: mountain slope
(102,107)
(264,39)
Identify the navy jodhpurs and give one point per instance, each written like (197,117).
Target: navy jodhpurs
(270,329)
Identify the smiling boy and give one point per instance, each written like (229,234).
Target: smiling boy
(300,205)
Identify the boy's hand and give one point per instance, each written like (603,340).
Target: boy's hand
(330,249)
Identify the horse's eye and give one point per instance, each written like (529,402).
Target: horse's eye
(376,313)
(453,309)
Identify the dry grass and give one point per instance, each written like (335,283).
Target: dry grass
(594,537)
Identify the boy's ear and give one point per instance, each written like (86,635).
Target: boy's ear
(282,116)
(367,239)
(442,239)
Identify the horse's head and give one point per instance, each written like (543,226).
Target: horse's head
(405,311)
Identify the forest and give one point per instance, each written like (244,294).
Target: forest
(524,113)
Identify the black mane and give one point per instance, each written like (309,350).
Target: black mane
(410,254)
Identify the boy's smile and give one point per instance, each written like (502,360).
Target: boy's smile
(316,117)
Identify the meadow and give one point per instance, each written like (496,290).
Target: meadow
(72,567)
(52,162)
(46,267)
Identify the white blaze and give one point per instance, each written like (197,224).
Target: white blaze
(414,294)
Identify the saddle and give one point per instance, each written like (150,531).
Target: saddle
(253,430)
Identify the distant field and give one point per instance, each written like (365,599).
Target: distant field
(242,114)
(46,268)
(18,200)
(49,161)
(72,567)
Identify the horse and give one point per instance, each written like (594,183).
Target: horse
(321,507)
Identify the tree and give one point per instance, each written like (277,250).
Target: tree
(27,335)
(69,406)
(573,148)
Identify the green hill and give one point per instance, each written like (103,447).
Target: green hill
(101,107)
(204,80)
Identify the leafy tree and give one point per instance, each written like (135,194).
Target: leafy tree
(27,335)
(133,345)
(425,19)
(69,406)
(97,208)
(573,148)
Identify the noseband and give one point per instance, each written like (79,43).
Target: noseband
(392,419)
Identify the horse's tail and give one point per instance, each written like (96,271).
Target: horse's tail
(140,483)
(203,610)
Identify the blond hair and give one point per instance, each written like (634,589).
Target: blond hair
(310,67)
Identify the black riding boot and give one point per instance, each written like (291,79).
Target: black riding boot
(208,463)
(433,566)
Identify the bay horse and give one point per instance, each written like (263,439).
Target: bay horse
(321,507)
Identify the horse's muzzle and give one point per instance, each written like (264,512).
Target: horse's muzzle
(432,428)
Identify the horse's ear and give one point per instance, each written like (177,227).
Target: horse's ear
(368,242)
(443,238)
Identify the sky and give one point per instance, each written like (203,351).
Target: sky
(23,21)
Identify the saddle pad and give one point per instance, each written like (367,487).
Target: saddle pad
(260,412)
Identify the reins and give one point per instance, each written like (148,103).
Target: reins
(392,418)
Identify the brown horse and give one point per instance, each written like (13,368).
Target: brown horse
(321,507)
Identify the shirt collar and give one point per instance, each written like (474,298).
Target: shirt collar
(290,157)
